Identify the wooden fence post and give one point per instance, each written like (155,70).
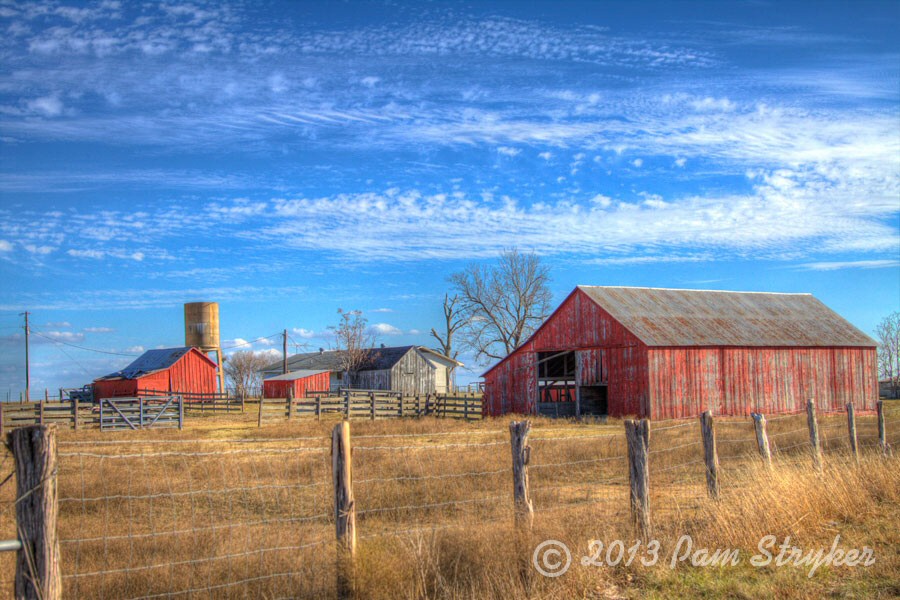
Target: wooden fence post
(75,413)
(289,401)
(427,408)
(180,413)
(243,400)
(521,453)
(466,408)
(814,434)
(637,435)
(37,562)
(711,457)
(372,404)
(400,405)
(882,433)
(418,405)
(347,404)
(762,437)
(851,431)
(40,413)
(318,407)
(262,399)
(344,507)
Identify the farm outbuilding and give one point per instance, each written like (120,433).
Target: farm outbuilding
(184,370)
(668,353)
(410,370)
(298,382)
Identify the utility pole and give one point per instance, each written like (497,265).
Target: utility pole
(27,366)
(284,353)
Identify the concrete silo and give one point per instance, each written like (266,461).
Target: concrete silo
(201,330)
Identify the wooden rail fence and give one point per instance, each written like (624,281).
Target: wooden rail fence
(142,412)
(369,404)
(196,402)
(108,413)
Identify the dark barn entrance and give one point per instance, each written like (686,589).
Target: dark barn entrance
(558,391)
(594,400)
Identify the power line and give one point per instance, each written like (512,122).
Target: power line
(67,355)
(57,341)
(251,342)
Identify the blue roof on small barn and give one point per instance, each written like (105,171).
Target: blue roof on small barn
(150,361)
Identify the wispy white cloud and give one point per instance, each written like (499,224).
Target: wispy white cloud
(850,264)
(98,330)
(48,106)
(145,297)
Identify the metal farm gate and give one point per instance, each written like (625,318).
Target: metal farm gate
(144,412)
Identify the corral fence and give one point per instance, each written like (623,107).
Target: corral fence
(139,412)
(370,404)
(188,527)
(142,412)
(210,402)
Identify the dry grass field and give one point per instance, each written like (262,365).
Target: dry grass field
(226,510)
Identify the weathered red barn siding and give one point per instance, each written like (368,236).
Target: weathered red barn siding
(115,388)
(279,388)
(736,381)
(683,381)
(512,385)
(192,373)
(578,324)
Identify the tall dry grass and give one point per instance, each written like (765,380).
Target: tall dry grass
(225,510)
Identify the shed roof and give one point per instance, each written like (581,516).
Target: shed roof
(295,375)
(673,317)
(330,360)
(152,361)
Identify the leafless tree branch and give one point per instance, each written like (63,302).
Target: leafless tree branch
(888,336)
(501,305)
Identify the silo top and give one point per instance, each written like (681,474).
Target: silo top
(201,325)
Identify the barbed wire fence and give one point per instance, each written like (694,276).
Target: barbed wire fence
(228,518)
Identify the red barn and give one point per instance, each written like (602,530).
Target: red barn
(298,381)
(184,370)
(660,354)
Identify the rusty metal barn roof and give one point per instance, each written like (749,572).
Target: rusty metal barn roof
(670,317)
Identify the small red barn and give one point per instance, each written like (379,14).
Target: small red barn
(185,370)
(662,353)
(299,382)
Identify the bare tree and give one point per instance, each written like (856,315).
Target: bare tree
(501,305)
(354,342)
(453,322)
(888,334)
(243,370)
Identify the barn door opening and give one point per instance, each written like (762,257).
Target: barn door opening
(556,383)
(594,400)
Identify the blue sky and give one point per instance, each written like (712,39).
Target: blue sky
(288,159)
